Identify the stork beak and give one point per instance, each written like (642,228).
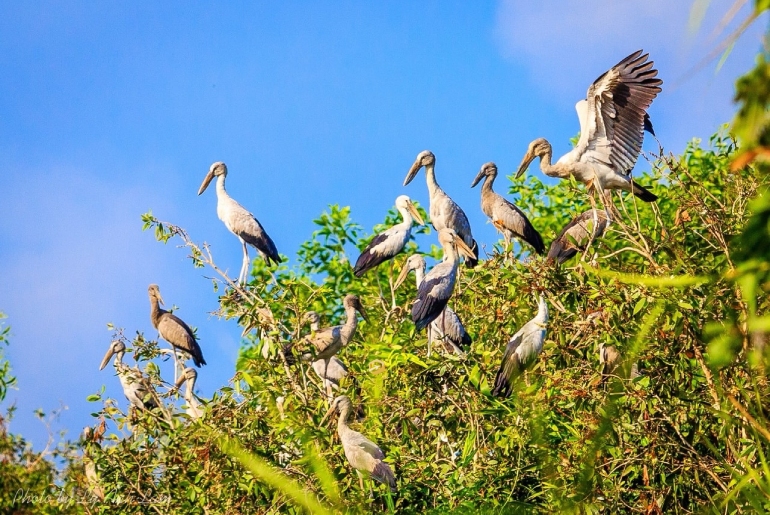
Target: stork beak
(402,276)
(478,178)
(107,358)
(528,158)
(416,214)
(206,182)
(328,413)
(412,172)
(464,249)
(160,299)
(361,310)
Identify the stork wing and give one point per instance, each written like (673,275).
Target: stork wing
(383,247)
(575,235)
(509,367)
(432,298)
(177,333)
(247,227)
(324,338)
(612,118)
(452,327)
(517,222)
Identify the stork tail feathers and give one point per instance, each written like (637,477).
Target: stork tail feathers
(384,474)
(502,387)
(559,252)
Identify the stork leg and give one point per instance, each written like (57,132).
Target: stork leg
(245,266)
(392,290)
(430,336)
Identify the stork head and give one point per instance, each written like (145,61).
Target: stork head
(342,405)
(311,317)
(117,348)
(154,293)
(449,237)
(538,148)
(487,170)
(424,158)
(414,262)
(217,169)
(352,301)
(404,203)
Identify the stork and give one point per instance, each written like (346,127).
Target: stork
(610,359)
(507,218)
(613,118)
(332,373)
(522,349)
(437,286)
(362,454)
(172,329)
(577,234)
(136,387)
(240,222)
(188,377)
(389,243)
(444,212)
(446,327)
(329,341)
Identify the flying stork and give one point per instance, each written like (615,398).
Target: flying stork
(522,349)
(507,218)
(444,212)
(389,243)
(446,327)
(362,454)
(613,118)
(239,221)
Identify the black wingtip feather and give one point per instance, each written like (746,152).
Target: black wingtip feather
(471,263)
(643,193)
(648,124)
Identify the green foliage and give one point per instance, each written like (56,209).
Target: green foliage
(687,435)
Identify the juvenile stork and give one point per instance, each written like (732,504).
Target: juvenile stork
(389,243)
(189,377)
(437,286)
(362,454)
(522,349)
(240,222)
(136,387)
(330,340)
(576,234)
(172,329)
(447,327)
(444,212)
(332,373)
(613,118)
(507,218)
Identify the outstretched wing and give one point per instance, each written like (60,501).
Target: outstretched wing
(612,117)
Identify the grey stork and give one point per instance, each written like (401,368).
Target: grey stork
(389,243)
(189,377)
(521,351)
(172,329)
(329,341)
(610,359)
(240,222)
(362,454)
(331,373)
(437,286)
(446,327)
(576,234)
(444,212)
(613,118)
(136,387)
(506,217)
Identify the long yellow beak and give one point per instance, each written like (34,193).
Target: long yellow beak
(328,413)
(412,172)
(416,214)
(528,158)
(402,276)
(106,359)
(206,182)
(478,178)
(464,249)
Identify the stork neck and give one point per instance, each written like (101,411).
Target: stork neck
(450,253)
(430,177)
(419,274)
(221,192)
(118,363)
(545,160)
(486,188)
(342,422)
(349,328)
(155,312)
(542,314)
(407,217)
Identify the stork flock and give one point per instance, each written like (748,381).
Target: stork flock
(613,118)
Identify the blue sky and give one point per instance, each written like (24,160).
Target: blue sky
(108,110)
